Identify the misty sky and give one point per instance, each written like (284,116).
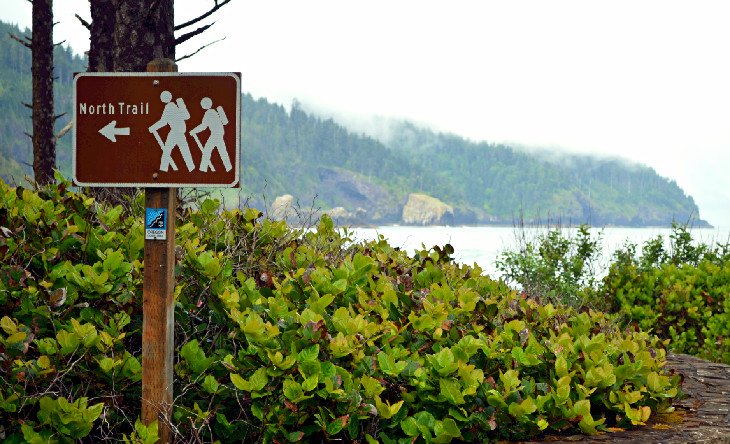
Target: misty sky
(648,80)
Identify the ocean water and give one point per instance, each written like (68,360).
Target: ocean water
(482,245)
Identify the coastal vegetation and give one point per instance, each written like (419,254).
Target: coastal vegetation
(675,287)
(288,335)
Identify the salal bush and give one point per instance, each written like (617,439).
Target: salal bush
(681,293)
(294,336)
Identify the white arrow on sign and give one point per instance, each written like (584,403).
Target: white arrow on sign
(110,131)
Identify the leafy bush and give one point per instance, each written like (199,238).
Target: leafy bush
(293,336)
(554,266)
(682,293)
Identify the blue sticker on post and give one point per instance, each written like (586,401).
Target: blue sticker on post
(155,224)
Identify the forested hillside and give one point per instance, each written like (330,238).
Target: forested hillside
(321,163)
(498,182)
(16,152)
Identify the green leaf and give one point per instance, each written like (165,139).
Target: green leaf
(256,382)
(210,384)
(370,439)
(510,379)
(114,263)
(257,411)
(451,390)
(310,383)
(339,286)
(310,368)
(71,419)
(147,434)
(319,304)
(341,346)
(582,407)
(86,332)
(131,368)
(309,354)
(526,407)
(336,425)
(372,386)
(108,364)
(278,360)
(195,357)
(425,422)
(409,426)
(446,430)
(653,381)
(68,341)
(561,366)
(17,338)
(459,415)
(8,325)
(210,206)
(293,391)
(523,358)
(389,366)
(445,361)
(385,409)
(562,393)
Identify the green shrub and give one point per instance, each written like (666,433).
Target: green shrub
(682,294)
(287,336)
(555,266)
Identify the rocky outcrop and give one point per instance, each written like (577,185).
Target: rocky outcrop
(282,208)
(422,209)
(340,216)
(353,191)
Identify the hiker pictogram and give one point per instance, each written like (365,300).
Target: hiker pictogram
(174,115)
(214,120)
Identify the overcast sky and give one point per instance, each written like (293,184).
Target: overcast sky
(644,80)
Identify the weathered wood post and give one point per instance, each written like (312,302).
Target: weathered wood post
(158,331)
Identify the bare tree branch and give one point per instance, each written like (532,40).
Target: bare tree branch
(65,129)
(59,43)
(27,105)
(191,34)
(85,24)
(187,56)
(217,6)
(26,133)
(19,40)
(58,116)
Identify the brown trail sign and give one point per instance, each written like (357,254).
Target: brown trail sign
(160,129)
(157,129)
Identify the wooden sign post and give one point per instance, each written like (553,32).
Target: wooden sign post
(158,310)
(159,130)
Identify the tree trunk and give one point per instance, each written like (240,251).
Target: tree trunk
(101,44)
(144,32)
(44,142)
